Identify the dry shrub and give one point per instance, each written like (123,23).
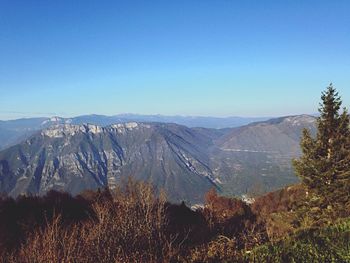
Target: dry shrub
(278,210)
(283,200)
(127,228)
(52,244)
(21,216)
(220,208)
(222,249)
(134,223)
(186,227)
(233,219)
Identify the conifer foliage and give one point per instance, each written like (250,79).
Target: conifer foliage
(325,163)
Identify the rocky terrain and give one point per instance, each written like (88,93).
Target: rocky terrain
(15,131)
(185,162)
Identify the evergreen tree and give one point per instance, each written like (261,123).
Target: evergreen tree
(325,163)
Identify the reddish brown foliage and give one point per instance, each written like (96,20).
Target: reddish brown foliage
(283,200)
(132,224)
(233,218)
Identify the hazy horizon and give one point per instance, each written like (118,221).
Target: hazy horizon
(198,58)
(162,115)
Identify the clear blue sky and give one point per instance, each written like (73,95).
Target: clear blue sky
(187,57)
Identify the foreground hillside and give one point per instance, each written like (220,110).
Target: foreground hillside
(132,224)
(185,162)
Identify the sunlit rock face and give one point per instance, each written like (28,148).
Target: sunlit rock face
(78,157)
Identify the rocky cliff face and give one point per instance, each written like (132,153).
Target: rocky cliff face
(77,157)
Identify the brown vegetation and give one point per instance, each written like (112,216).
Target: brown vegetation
(133,224)
(128,224)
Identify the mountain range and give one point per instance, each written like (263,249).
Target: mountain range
(14,131)
(186,162)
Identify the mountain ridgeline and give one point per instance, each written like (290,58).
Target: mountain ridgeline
(14,131)
(185,162)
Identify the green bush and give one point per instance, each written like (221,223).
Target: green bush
(329,244)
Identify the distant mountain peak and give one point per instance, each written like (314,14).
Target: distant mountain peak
(55,120)
(127,125)
(300,120)
(293,120)
(61,130)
